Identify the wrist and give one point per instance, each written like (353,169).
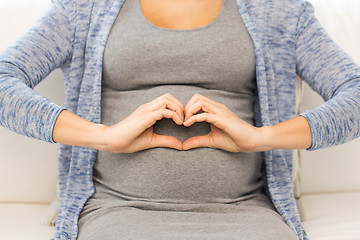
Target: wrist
(294,133)
(98,137)
(266,138)
(71,129)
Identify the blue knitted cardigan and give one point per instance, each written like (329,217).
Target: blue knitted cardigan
(71,35)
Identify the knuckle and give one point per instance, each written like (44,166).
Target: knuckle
(222,105)
(197,95)
(142,107)
(168,95)
(165,112)
(201,102)
(166,98)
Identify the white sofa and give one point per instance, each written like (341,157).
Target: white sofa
(329,179)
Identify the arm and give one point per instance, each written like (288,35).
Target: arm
(230,133)
(45,47)
(133,134)
(336,77)
(328,70)
(70,129)
(294,133)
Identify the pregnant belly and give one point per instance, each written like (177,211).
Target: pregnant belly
(202,174)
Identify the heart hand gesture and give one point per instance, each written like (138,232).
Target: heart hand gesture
(228,131)
(135,132)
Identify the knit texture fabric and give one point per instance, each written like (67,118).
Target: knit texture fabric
(288,40)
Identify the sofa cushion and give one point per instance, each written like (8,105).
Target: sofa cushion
(22,221)
(332,216)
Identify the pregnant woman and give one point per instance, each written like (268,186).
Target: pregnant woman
(180,115)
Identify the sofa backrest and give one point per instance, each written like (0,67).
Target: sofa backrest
(28,171)
(337,168)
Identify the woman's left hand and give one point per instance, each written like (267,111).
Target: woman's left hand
(228,131)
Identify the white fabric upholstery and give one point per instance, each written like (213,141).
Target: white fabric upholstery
(332,216)
(334,169)
(28,171)
(22,222)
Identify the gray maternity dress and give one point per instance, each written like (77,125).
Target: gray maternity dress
(164,193)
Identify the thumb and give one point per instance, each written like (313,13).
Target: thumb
(199,141)
(165,141)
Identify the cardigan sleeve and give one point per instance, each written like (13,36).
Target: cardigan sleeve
(335,76)
(45,47)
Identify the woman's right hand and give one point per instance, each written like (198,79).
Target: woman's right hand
(132,134)
(135,132)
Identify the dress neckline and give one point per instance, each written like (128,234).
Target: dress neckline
(182,30)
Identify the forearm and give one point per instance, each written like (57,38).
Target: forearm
(132,134)
(24,111)
(333,74)
(43,48)
(71,129)
(294,133)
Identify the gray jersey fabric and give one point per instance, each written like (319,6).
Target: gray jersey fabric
(141,62)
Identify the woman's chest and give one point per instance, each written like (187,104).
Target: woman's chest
(180,14)
(140,55)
